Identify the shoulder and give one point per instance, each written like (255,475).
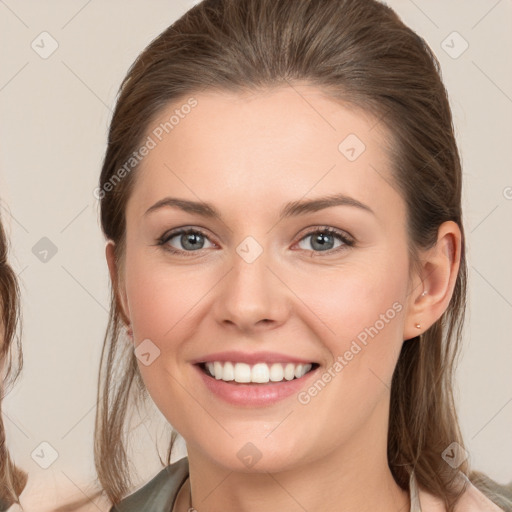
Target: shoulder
(472,500)
(159,493)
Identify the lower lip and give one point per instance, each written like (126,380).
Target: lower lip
(254,394)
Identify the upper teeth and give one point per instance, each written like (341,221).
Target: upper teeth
(259,373)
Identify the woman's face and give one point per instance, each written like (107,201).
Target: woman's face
(263,282)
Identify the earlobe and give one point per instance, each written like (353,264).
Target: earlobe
(440,264)
(120,294)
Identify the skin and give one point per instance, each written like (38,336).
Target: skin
(248,155)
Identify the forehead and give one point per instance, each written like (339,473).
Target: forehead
(257,147)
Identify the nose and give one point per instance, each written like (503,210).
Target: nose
(252,296)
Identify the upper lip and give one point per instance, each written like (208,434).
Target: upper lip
(251,358)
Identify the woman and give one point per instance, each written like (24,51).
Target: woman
(281,195)
(12,479)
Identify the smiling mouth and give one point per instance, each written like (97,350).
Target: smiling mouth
(259,373)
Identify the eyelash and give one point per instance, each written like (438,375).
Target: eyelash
(347,241)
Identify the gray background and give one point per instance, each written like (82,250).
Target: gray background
(54,119)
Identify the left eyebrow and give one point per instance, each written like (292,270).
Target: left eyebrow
(313,205)
(292,209)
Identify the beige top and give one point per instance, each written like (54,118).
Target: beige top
(473,500)
(414,495)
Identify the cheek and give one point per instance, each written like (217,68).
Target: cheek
(161,300)
(363,307)
(355,301)
(160,296)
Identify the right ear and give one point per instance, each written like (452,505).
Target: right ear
(117,283)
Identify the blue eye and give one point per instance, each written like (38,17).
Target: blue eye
(324,238)
(190,239)
(193,240)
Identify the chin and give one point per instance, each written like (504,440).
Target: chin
(255,454)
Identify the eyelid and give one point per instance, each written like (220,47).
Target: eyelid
(347,239)
(181,231)
(311,230)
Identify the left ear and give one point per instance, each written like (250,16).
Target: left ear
(438,274)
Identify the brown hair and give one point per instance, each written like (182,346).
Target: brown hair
(358,52)
(12,479)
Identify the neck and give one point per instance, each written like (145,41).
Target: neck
(355,476)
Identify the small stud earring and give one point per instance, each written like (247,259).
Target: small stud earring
(424,293)
(418,326)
